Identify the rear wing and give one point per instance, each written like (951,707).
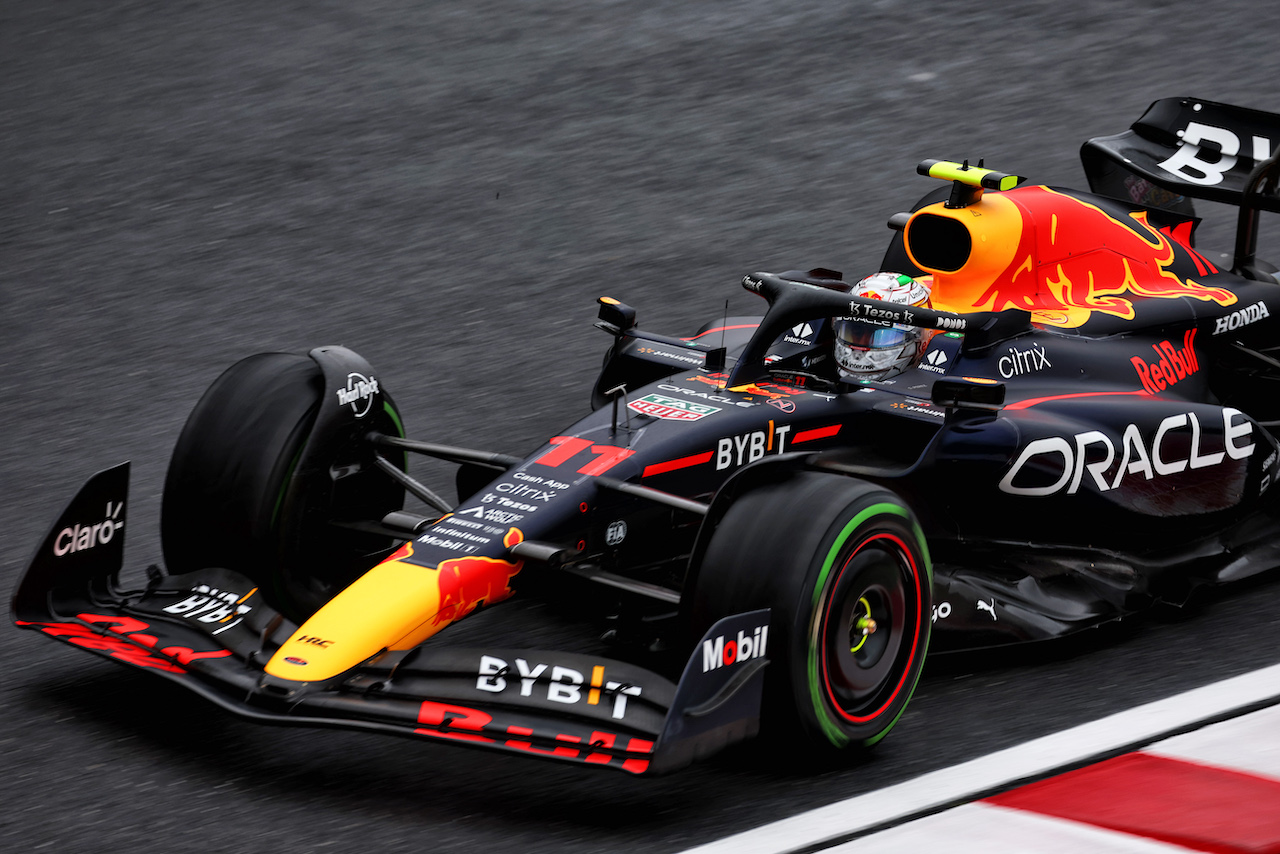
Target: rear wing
(1186,148)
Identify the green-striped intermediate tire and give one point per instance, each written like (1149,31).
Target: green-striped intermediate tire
(844,568)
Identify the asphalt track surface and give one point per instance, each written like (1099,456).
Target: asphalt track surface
(446,188)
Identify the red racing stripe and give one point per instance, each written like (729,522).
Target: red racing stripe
(1032,401)
(816,433)
(721,329)
(672,465)
(1183,803)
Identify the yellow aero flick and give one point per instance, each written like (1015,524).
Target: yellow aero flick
(974,176)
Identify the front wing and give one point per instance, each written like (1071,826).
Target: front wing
(212,632)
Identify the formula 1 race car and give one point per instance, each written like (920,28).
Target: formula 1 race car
(1087,430)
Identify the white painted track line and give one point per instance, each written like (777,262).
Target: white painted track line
(1251,744)
(948,787)
(988,829)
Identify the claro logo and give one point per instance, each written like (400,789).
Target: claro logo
(1150,457)
(718,652)
(83,537)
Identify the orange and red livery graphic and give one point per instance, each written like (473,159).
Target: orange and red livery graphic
(1060,258)
(467,581)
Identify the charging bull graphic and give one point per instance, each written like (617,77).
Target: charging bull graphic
(465,582)
(1054,255)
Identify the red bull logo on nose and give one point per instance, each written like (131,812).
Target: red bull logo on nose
(466,582)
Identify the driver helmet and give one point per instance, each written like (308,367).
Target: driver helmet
(872,349)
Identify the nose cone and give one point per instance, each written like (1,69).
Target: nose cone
(380,608)
(396,605)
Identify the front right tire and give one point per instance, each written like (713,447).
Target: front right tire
(843,566)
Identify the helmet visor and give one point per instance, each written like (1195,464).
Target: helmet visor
(871,336)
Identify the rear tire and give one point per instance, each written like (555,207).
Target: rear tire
(234,497)
(844,568)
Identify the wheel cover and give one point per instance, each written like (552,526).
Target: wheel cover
(870,628)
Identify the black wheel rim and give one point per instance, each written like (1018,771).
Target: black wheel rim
(870,627)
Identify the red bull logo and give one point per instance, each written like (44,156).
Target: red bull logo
(1054,255)
(467,582)
(129,640)
(768,390)
(1171,365)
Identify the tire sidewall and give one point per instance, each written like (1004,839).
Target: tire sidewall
(252,487)
(785,543)
(874,519)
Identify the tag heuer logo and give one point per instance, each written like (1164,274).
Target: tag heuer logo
(670,408)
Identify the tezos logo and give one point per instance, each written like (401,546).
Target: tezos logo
(82,537)
(358,393)
(719,653)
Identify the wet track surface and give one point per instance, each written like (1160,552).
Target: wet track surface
(446,188)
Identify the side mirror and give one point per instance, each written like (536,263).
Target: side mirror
(615,317)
